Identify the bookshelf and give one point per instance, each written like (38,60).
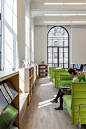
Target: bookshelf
(27,79)
(31,82)
(35,73)
(9,99)
(43,70)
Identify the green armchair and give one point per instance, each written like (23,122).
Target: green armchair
(76,103)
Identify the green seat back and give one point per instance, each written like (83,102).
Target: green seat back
(67,77)
(50,70)
(57,77)
(54,69)
(78,97)
(53,72)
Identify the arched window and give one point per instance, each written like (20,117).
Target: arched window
(58,47)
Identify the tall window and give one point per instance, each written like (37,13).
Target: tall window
(58,47)
(10,34)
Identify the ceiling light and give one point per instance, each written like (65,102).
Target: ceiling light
(73,3)
(64,21)
(53,3)
(78,21)
(81,14)
(50,21)
(68,14)
(84,3)
(52,14)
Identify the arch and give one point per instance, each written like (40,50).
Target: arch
(63,39)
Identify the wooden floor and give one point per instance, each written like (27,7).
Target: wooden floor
(41,114)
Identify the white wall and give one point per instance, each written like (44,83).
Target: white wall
(79,44)
(21,32)
(40,51)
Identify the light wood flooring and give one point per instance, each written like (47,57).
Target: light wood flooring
(41,114)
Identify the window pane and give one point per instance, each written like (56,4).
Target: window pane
(65,54)
(49,65)
(55,65)
(65,65)
(50,34)
(55,49)
(50,60)
(61,65)
(60,49)
(54,60)
(60,60)
(55,55)
(49,55)
(50,49)
(60,54)
(65,49)
(66,43)
(65,60)
(49,42)
(61,42)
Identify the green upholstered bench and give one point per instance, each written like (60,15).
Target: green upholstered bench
(50,70)
(67,103)
(68,78)
(76,103)
(57,76)
(54,70)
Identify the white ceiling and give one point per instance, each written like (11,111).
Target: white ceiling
(38,10)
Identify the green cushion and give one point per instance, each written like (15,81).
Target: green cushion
(67,102)
(65,77)
(64,83)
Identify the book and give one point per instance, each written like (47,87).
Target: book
(3,124)
(12,88)
(6,95)
(12,113)
(8,90)
(65,87)
(3,101)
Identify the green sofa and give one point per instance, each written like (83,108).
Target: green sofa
(50,70)
(53,72)
(82,78)
(57,76)
(76,101)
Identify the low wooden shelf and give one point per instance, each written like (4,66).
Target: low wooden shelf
(43,70)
